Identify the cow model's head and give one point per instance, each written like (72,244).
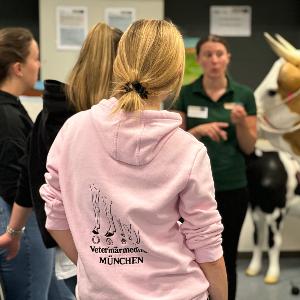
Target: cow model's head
(278,99)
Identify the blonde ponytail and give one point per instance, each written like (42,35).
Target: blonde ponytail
(130,102)
(151,56)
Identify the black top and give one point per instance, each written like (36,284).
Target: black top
(15,126)
(56,111)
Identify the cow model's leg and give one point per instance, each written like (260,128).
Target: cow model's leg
(259,229)
(275,224)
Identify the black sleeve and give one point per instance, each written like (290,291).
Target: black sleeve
(14,130)
(11,152)
(37,156)
(23,195)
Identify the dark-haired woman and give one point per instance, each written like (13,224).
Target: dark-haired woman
(222,114)
(19,67)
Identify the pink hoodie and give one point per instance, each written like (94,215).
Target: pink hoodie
(120,183)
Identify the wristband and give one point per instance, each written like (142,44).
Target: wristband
(14,232)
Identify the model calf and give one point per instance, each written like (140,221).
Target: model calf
(274,191)
(273,170)
(278,99)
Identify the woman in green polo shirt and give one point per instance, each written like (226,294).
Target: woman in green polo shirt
(222,114)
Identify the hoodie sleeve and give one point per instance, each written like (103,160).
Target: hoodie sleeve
(202,225)
(50,191)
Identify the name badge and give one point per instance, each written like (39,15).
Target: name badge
(200,112)
(231,105)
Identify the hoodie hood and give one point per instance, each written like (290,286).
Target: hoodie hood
(133,138)
(54,97)
(56,110)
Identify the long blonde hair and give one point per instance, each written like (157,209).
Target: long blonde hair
(91,77)
(149,63)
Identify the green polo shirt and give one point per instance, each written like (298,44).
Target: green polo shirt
(227,159)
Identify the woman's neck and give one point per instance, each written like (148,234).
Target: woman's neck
(214,87)
(12,87)
(152,106)
(155,102)
(214,83)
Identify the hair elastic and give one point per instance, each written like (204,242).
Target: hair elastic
(138,87)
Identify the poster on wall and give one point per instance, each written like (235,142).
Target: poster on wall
(119,17)
(192,69)
(230,20)
(71,27)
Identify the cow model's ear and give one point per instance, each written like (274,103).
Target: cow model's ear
(284,49)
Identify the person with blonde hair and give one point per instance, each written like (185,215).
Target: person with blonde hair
(88,82)
(121,174)
(91,77)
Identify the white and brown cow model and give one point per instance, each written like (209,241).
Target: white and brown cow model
(278,99)
(274,167)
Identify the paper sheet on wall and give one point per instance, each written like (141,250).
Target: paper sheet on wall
(119,17)
(71,27)
(226,20)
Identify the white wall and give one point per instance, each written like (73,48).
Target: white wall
(33,105)
(56,64)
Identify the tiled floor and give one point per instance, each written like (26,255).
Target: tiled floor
(250,288)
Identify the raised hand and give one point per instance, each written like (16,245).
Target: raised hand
(238,114)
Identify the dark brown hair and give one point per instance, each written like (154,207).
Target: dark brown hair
(211,38)
(14,47)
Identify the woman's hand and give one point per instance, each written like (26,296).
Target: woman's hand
(245,128)
(11,244)
(214,130)
(18,219)
(238,114)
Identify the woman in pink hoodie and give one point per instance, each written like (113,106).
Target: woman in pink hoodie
(121,174)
